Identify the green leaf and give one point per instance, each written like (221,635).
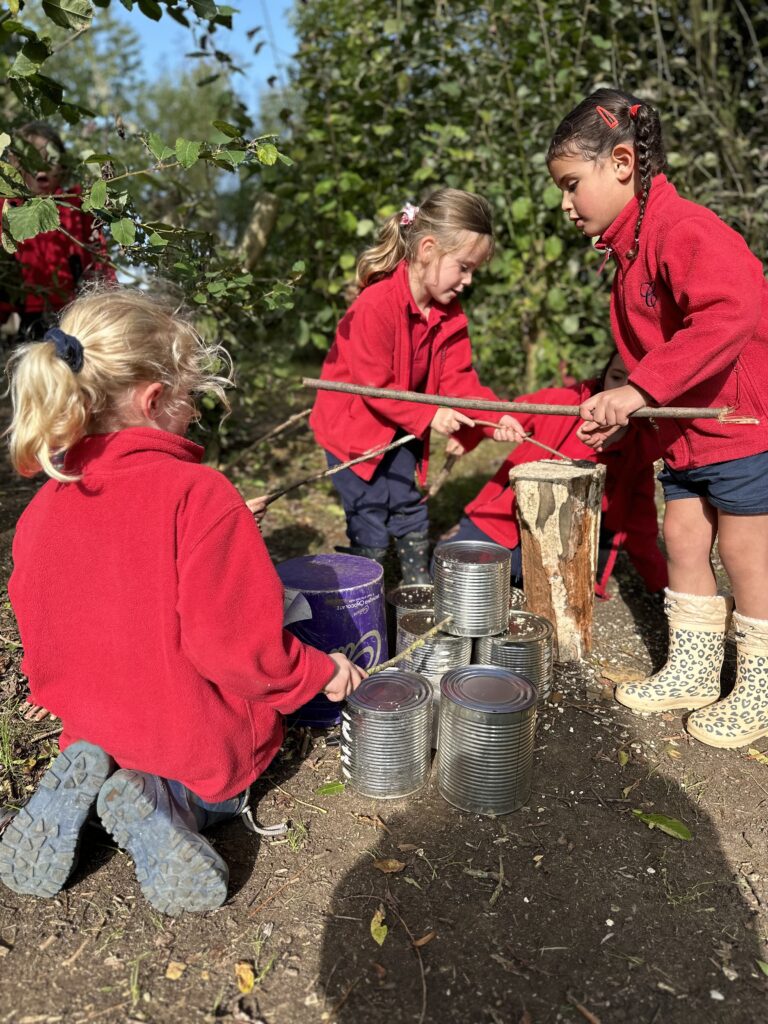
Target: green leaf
(364,227)
(553,247)
(11,181)
(378,927)
(151,9)
(5,141)
(157,240)
(29,59)
(330,788)
(556,300)
(347,260)
(187,152)
(74,14)
(671,826)
(623,758)
(227,129)
(552,197)
(521,208)
(762,965)
(267,154)
(98,195)
(31,218)
(158,148)
(123,231)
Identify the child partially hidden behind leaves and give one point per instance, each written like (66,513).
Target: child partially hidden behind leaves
(148,607)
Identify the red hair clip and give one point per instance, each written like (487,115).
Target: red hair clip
(610,119)
(634,109)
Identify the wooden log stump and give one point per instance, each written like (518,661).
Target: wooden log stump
(558,508)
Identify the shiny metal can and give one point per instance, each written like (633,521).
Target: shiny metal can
(386,731)
(524,648)
(472,586)
(487,727)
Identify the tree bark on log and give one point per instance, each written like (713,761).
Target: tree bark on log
(559,513)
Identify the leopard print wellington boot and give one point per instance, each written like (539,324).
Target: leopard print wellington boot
(691,676)
(742,717)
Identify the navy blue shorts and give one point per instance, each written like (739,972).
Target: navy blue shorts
(739,486)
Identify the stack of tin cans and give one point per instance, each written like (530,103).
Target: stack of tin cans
(487,712)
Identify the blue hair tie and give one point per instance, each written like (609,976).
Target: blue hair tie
(67,346)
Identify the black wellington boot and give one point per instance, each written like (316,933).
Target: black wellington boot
(413,552)
(377,554)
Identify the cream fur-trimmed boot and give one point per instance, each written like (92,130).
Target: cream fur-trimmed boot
(743,716)
(691,676)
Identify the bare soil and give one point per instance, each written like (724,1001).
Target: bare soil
(571,909)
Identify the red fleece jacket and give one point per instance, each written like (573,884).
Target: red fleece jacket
(52,263)
(628,510)
(151,615)
(690,319)
(374,347)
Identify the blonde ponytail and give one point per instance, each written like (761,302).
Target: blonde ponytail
(128,338)
(447,215)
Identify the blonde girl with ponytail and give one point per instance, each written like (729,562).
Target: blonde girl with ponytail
(149,610)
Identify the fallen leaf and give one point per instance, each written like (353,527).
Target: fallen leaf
(526,1018)
(378,927)
(762,965)
(424,939)
(623,757)
(329,788)
(671,826)
(407,847)
(381,971)
(628,789)
(758,756)
(245,976)
(556,697)
(388,865)
(174,970)
(622,674)
(374,821)
(671,752)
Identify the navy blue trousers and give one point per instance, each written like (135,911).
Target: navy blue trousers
(389,505)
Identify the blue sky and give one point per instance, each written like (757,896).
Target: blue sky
(164,42)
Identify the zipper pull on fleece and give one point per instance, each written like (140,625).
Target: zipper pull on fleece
(606,257)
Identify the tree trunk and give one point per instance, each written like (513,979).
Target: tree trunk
(558,507)
(257,231)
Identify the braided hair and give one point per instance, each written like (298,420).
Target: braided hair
(601,121)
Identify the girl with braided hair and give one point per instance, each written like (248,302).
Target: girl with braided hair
(689,313)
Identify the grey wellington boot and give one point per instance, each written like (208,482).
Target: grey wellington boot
(178,870)
(376,554)
(413,552)
(742,717)
(691,676)
(39,848)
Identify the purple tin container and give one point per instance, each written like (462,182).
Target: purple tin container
(335,603)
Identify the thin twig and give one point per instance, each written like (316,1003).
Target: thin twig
(413,647)
(303,803)
(274,495)
(277,892)
(241,455)
(442,476)
(585,1013)
(457,402)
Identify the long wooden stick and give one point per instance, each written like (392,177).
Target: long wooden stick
(269,498)
(456,402)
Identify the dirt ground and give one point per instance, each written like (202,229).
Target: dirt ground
(571,909)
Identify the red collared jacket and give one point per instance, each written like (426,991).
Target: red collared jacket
(374,347)
(690,319)
(628,510)
(151,615)
(53,264)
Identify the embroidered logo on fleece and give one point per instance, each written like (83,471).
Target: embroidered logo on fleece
(648,292)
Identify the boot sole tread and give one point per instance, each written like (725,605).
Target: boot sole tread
(188,876)
(39,848)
